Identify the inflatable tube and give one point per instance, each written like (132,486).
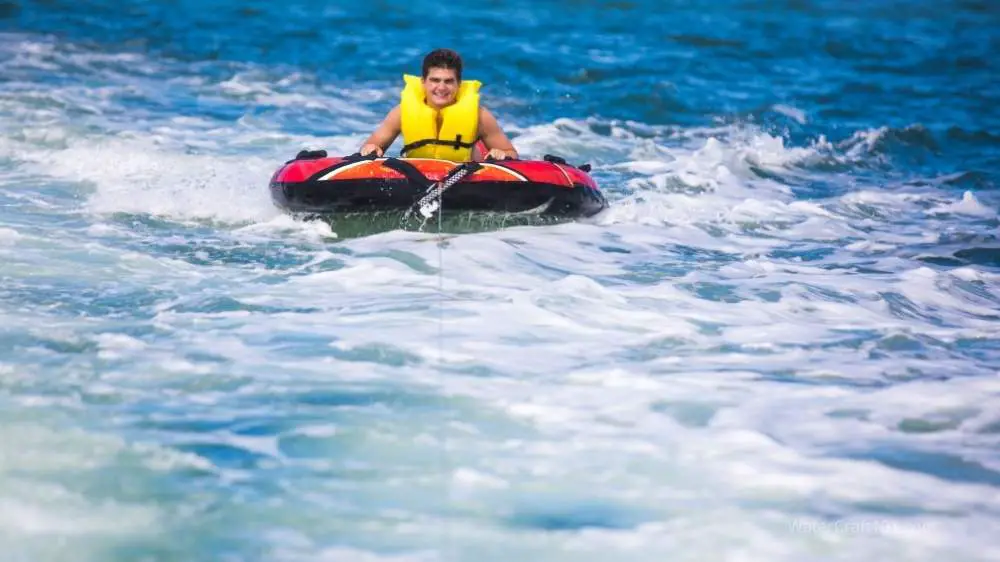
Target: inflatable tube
(314,183)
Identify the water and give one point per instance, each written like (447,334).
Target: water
(780,342)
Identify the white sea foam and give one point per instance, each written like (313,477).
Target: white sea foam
(968,205)
(793,112)
(9,236)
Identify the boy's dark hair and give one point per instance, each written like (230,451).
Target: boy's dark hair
(443,58)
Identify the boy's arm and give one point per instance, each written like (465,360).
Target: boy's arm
(494,138)
(384,135)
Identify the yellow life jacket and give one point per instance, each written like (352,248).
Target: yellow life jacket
(459,122)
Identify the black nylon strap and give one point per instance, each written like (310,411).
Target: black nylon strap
(456,144)
(409,170)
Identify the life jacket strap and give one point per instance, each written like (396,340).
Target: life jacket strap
(456,144)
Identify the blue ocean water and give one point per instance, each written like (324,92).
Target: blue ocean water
(780,342)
